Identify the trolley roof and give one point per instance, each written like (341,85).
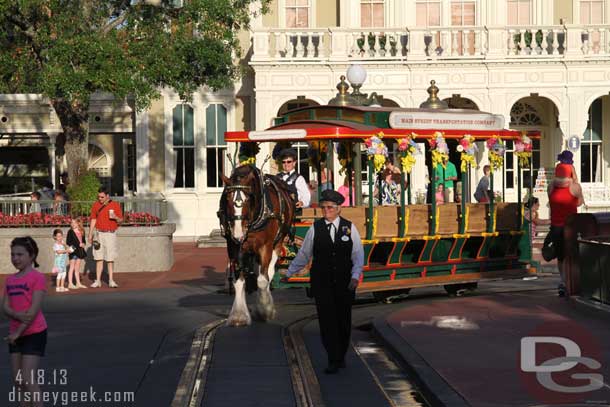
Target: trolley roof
(355,122)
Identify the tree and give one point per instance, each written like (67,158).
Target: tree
(66,50)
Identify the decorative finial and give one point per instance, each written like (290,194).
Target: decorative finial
(433,101)
(343,98)
(342,86)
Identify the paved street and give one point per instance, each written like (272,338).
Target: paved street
(137,339)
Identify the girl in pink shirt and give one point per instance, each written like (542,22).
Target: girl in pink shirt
(22,303)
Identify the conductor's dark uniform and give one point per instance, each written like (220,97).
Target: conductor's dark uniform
(338,257)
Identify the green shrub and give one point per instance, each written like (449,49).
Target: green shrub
(83,193)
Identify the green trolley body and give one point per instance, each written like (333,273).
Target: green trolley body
(412,244)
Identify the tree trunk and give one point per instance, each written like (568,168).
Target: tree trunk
(74,118)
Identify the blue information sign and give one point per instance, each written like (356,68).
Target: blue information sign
(574,143)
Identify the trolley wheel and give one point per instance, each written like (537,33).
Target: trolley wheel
(390,296)
(459,290)
(471,286)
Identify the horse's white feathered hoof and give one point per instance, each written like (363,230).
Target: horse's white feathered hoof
(239,315)
(265,308)
(239,320)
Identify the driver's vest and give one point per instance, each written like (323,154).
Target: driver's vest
(290,180)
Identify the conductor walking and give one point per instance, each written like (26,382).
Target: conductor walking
(338,257)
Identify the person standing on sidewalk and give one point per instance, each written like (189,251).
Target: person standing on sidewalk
(76,239)
(22,303)
(335,246)
(565,196)
(106,215)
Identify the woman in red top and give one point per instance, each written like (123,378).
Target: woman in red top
(565,196)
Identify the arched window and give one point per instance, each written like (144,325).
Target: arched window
(99,162)
(215,145)
(524,114)
(591,146)
(184,146)
(458,102)
(297,103)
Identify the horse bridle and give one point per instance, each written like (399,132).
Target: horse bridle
(264,212)
(238,201)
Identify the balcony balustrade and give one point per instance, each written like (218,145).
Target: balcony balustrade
(441,43)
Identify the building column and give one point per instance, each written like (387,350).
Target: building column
(142,154)
(547,12)
(52,159)
(264,115)
(578,122)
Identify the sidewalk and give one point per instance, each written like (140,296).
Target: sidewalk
(192,267)
(467,351)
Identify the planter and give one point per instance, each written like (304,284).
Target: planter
(145,248)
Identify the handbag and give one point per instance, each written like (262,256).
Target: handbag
(548,250)
(81,253)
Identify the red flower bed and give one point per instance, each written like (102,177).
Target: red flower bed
(38,219)
(141,218)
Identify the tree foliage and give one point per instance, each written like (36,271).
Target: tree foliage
(67,50)
(83,193)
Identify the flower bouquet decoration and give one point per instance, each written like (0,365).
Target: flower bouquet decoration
(496,152)
(317,152)
(343,155)
(439,149)
(467,149)
(523,150)
(247,153)
(407,148)
(376,151)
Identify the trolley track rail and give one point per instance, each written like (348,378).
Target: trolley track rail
(384,369)
(305,383)
(192,382)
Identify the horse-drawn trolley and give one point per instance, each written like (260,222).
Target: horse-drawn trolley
(420,240)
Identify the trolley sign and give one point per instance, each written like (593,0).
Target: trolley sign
(574,143)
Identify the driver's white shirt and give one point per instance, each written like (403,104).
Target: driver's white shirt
(302,189)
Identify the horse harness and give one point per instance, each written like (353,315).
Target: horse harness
(265,212)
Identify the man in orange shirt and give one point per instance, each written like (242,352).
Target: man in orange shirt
(106,215)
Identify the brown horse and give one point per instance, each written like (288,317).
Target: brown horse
(256,214)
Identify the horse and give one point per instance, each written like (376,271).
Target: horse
(256,214)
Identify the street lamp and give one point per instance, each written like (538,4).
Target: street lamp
(356,75)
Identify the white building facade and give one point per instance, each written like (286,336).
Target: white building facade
(542,64)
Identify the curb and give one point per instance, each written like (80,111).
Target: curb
(587,305)
(434,388)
